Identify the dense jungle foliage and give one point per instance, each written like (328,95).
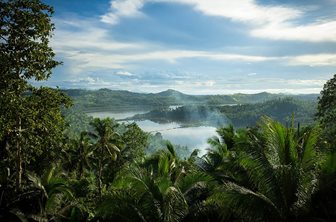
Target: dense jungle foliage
(50,171)
(245,115)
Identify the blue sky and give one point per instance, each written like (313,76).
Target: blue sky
(195,46)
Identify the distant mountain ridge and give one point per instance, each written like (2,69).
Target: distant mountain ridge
(106,99)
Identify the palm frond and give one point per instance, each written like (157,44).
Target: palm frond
(174,205)
(279,140)
(308,149)
(244,203)
(119,205)
(171,150)
(261,175)
(190,180)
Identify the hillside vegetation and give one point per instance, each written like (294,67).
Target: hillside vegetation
(239,115)
(116,100)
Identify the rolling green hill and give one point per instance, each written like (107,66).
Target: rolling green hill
(118,100)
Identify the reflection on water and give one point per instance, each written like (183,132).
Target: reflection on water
(152,127)
(174,107)
(193,137)
(114,115)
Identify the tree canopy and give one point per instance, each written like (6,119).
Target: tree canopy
(327,110)
(28,115)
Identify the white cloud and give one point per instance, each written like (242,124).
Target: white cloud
(89,47)
(273,85)
(83,34)
(122,8)
(89,81)
(100,60)
(242,10)
(272,22)
(313,60)
(173,55)
(277,22)
(322,31)
(318,83)
(96,51)
(93,60)
(208,83)
(238,10)
(123,73)
(93,38)
(291,83)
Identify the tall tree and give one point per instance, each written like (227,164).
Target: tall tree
(327,110)
(108,145)
(81,153)
(25,55)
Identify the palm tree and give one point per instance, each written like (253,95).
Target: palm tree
(217,161)
(107,147)
(82,153)
(52,187)
(165,163)
(141,196)
(220,145)
(158,190)
(278,174)
(43,198)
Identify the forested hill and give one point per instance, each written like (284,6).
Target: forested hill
(240,115)
(106,99)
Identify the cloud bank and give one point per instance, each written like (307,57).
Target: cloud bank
(96,52)
(277,22)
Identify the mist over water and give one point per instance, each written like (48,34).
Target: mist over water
(115,115)
(194,137)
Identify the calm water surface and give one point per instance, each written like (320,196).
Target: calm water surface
(193,137)
(115,115)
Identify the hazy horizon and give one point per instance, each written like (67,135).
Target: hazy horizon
(193,94)
(195,46)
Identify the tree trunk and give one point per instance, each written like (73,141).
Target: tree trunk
(18,156)
(100,177)
(80,163)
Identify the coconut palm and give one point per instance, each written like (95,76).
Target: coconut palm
(141,196)
(107,147)
(158,190)
(79,156)
(220,145)
(43,198)
(165,163)
(223,147)
(279,176)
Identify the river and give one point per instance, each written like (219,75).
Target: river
(192,137)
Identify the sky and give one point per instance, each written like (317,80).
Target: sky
(195,46)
